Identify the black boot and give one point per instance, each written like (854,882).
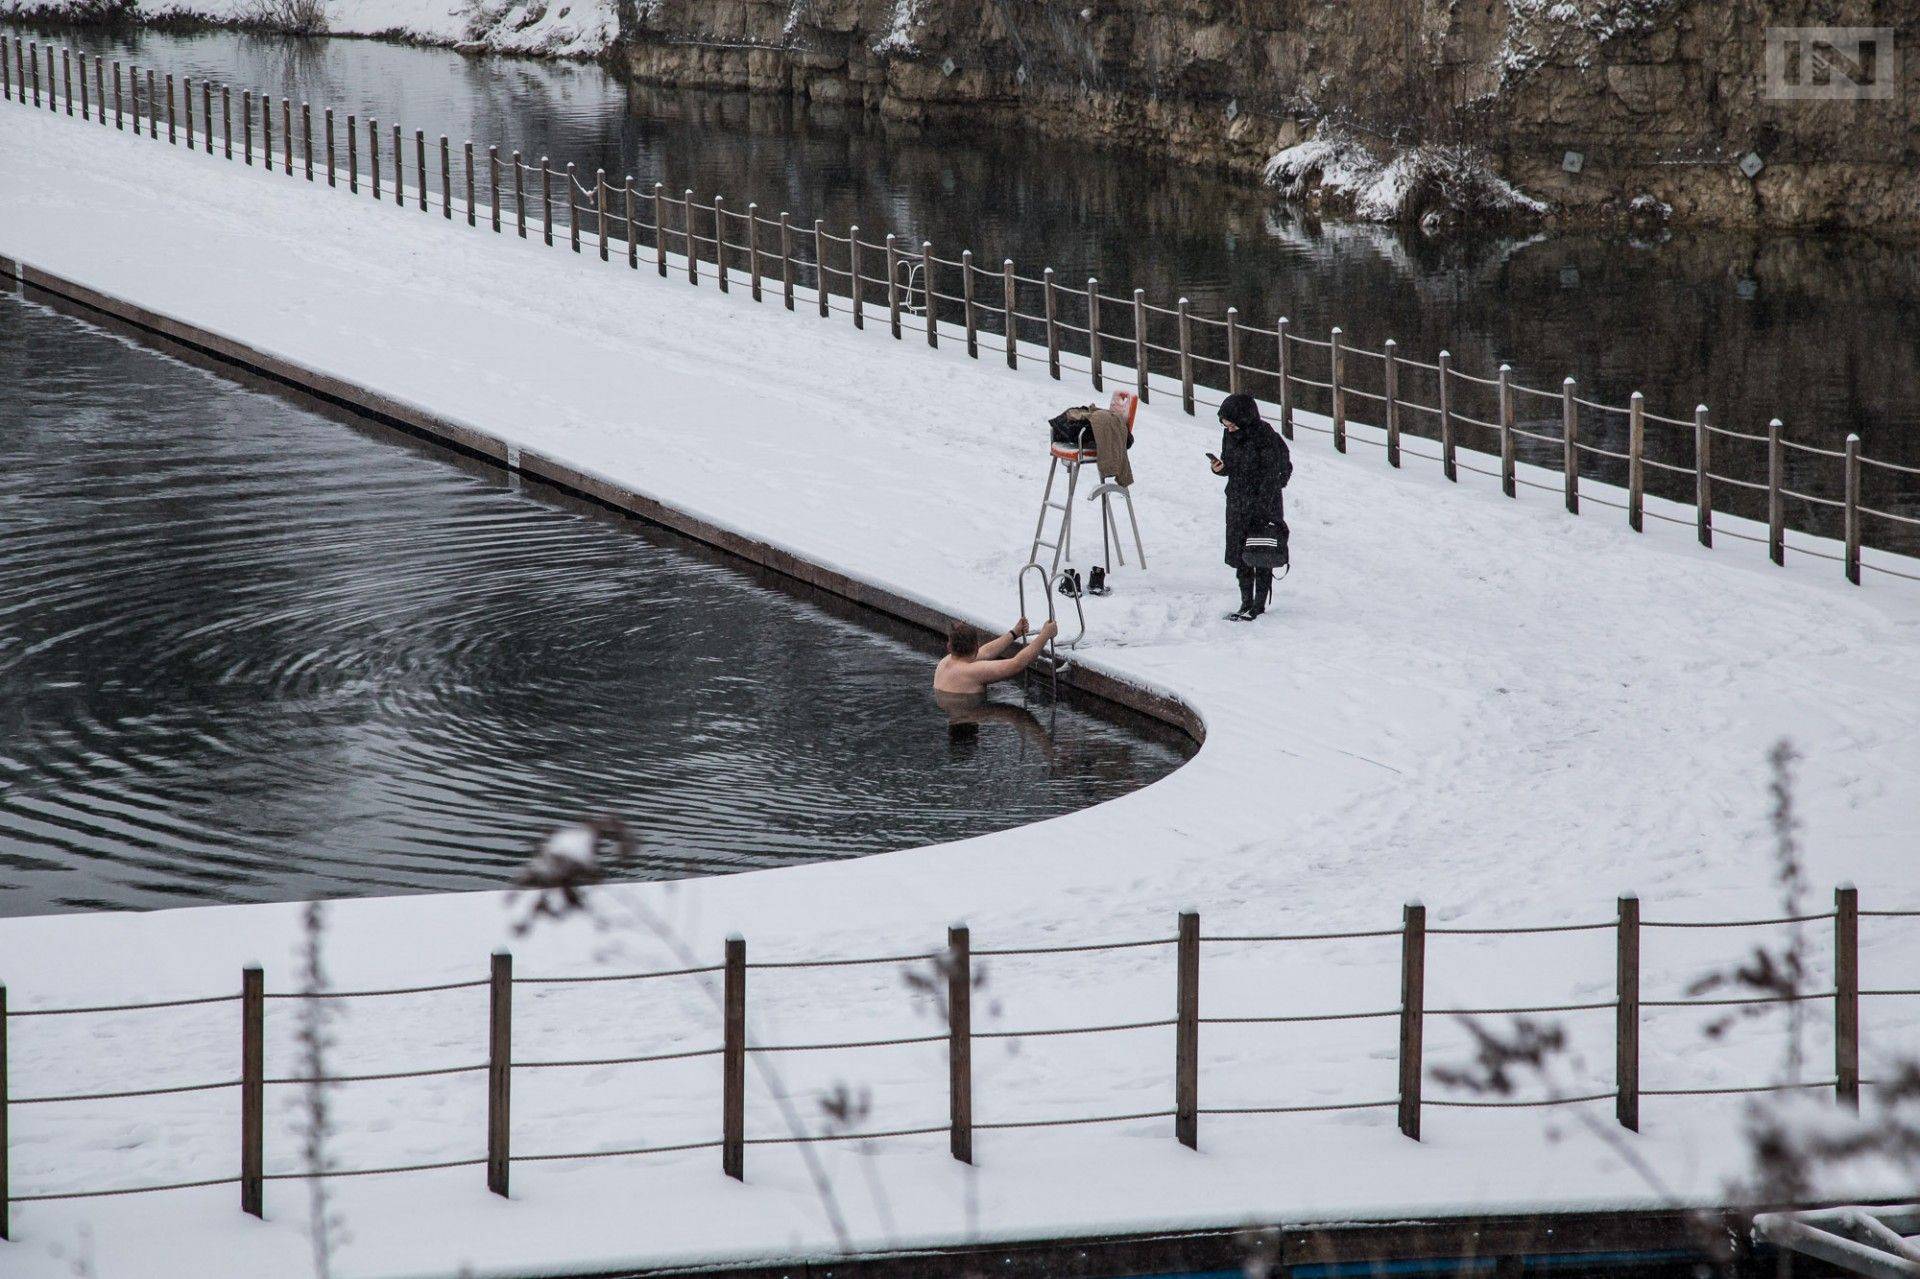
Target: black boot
(1262,593)
(1246,612)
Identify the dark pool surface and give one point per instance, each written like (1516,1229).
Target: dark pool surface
(251,652)
(1822,331)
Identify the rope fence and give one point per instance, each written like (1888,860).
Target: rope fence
(953,975)
(1019,315)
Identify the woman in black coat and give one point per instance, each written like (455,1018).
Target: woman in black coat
(1257,465)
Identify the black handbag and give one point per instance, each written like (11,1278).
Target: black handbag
(1265,547)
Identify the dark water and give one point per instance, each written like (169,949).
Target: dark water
(1822,331)
(251,652)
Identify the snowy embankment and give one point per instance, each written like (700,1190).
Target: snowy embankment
(548,28)
(1508,712)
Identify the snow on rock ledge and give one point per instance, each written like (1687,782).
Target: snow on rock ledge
(1433,185)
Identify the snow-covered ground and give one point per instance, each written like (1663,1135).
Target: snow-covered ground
(1508,712)
(553,28)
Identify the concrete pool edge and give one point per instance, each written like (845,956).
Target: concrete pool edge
(1157,704)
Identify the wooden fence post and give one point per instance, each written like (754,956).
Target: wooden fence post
(1390,374)
(286,135)
(206,106)
(600,209)
(1283,366)
(546,202)
(660,229)
(499,1071)
(1853,509)
(573,213)
(753,250)
(33,59)
(893,286)
(66,78)
(473,213)
(820,265)
(1013,326)
(493,184)
(633,228)
(1636,451)
(519,197)
(853,278)
(173,138)
(153,109)
(399,169)
(1141,380)
(966,303)
(1448,466)
(1186,355)
(720,242)
(6,82)
(928,263)
(1507,485)
(1626,1016)
(1776,506)
(6,1227)
(1186,1046)
(1570,443)
(119,120)
(959,1041)
(100,92)
(1233,350)
(1337,394)
(733,1084)
(1093,332)
(1702,476)
(1413,999)
(1053,323)
(446,179)
(246,118)
(1846,996)
(353,152)
(253,1056)
(86,98)
(373,157)
(693,247)
(786,260)
(306,138)
(266,133)
(226,114)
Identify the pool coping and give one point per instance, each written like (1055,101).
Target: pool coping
(1153,703)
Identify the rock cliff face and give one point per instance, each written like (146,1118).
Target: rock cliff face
(1655,98)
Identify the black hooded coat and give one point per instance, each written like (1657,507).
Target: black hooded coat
(1257,465)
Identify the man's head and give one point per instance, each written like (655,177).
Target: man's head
(963,640)
(1238,412)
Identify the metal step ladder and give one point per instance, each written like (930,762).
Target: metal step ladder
(1059,539)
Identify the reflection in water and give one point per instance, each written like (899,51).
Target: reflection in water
(968,713)
(247,652)
(1822,331)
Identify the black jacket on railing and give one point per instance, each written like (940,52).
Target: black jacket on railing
(1257,465)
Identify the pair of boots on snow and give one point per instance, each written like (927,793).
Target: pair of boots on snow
(1096,583)
(1256,590)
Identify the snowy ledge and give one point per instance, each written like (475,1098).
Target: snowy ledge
(1507,712)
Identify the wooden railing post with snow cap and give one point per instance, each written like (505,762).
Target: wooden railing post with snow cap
(1776,506)
(959,1042)
(353,147)
(100,94)
(1283,375)
(253,1090)
(1636,453)
(86,99)
(6,83)
(1141,379)
(173,138)
(499,1071)
(733,1063)
(306,138)
(1506,431)
(1626,1023)
(6,1226)
(1702,476)
(929,265)
(1186,355)
(600,209)
(33,62)
(971,320)
(246,120)
(1186,1032)
(1846,996)
(266,133)
(720,243)
(1852,512)
(1337,393)
(119,116)
(1413,981)
(1093,332)
(786,260)
(493,187)
(660,229)
(446,178)
(206,107)
(373,158)
(1053,323)
(820,266)
(286,136)
(473,212)
(633,226)
(573,212)
(400,169)
(1013,326)
(66,77)
(693,246)
(1448,466)
(546,202)
(519,197)
(753,250)
(1390,377)
(893,286)
(1233,350)
(153,110)
(1570,443)
(853,278)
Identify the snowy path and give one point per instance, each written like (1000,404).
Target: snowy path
(1507,712)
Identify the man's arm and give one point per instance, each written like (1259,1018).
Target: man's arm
(1007,668)
(998,644)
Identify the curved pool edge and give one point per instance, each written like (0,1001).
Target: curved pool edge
(1157,703)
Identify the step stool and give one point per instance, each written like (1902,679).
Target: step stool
(1071,458)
